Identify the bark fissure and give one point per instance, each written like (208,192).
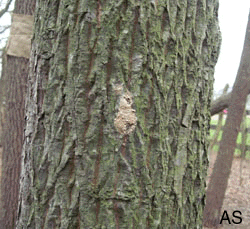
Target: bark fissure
(132,48)
(99,150)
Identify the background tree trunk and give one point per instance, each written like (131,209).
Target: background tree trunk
(2,112)
(118,114)
(15,74)
(222,167)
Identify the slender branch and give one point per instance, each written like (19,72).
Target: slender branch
(5,9)
(220,104)
(4,29)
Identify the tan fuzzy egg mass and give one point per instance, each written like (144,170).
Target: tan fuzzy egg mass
(125,120)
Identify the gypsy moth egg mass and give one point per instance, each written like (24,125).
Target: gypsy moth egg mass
(125,121)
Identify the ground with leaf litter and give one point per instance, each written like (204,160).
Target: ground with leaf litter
(237,196)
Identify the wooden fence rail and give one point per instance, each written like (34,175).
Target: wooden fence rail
(245,133)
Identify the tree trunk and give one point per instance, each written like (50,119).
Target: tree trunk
(222,167)
(118,114)
(13,94)
(2,114)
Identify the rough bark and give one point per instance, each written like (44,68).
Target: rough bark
(222,167)
(12,135)
(88,162)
